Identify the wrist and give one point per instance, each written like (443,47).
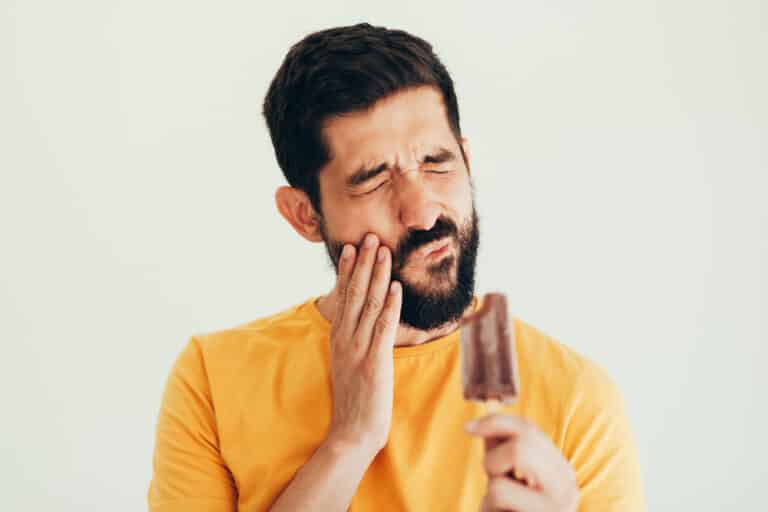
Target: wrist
(342,445)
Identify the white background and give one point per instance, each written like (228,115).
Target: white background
(620,162)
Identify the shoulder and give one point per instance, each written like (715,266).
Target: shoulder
(224,354)
(558,382)
(544,359)
(272,331)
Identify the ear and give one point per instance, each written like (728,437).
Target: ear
(294,205)
(465,147)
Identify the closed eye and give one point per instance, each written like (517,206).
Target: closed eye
(376,188)
(433,171)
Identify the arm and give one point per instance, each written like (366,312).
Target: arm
(362,376)
(328,480)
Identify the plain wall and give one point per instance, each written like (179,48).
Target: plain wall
(619,156)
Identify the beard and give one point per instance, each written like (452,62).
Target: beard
(448,285)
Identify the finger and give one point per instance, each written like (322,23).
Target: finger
(493,442)
(515,472)
(506,494)
(385,328)
(377,293)
(523,479)
(346,264)
(511,456)
(357,287)
(526,450)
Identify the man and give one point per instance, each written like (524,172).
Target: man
(352,400)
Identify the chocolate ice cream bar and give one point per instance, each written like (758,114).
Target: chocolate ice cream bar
(488,353)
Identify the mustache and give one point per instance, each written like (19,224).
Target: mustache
(415,239)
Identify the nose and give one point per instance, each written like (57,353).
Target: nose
(417,209)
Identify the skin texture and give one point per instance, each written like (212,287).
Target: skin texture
(364,305)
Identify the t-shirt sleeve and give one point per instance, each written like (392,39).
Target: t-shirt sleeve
(600,445)
(188,473)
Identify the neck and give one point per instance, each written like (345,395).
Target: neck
(406,335)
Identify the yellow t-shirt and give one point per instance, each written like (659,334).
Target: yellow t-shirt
(245,408)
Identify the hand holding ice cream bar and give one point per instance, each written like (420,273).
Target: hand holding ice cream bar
(489,361)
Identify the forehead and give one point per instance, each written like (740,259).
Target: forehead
(409,121)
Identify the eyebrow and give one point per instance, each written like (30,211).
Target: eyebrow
(364,174)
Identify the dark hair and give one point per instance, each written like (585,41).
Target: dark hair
(337,71)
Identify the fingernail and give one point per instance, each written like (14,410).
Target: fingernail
(470,425)
(369,240)
(346,252)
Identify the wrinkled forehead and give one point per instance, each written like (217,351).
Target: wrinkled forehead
(407,125)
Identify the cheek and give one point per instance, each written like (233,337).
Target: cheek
(457,194)
(349,223)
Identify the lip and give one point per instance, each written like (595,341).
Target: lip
(438,245)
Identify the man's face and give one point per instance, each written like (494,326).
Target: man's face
(397,171)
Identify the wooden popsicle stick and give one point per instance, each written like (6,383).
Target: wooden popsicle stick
(493,406)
